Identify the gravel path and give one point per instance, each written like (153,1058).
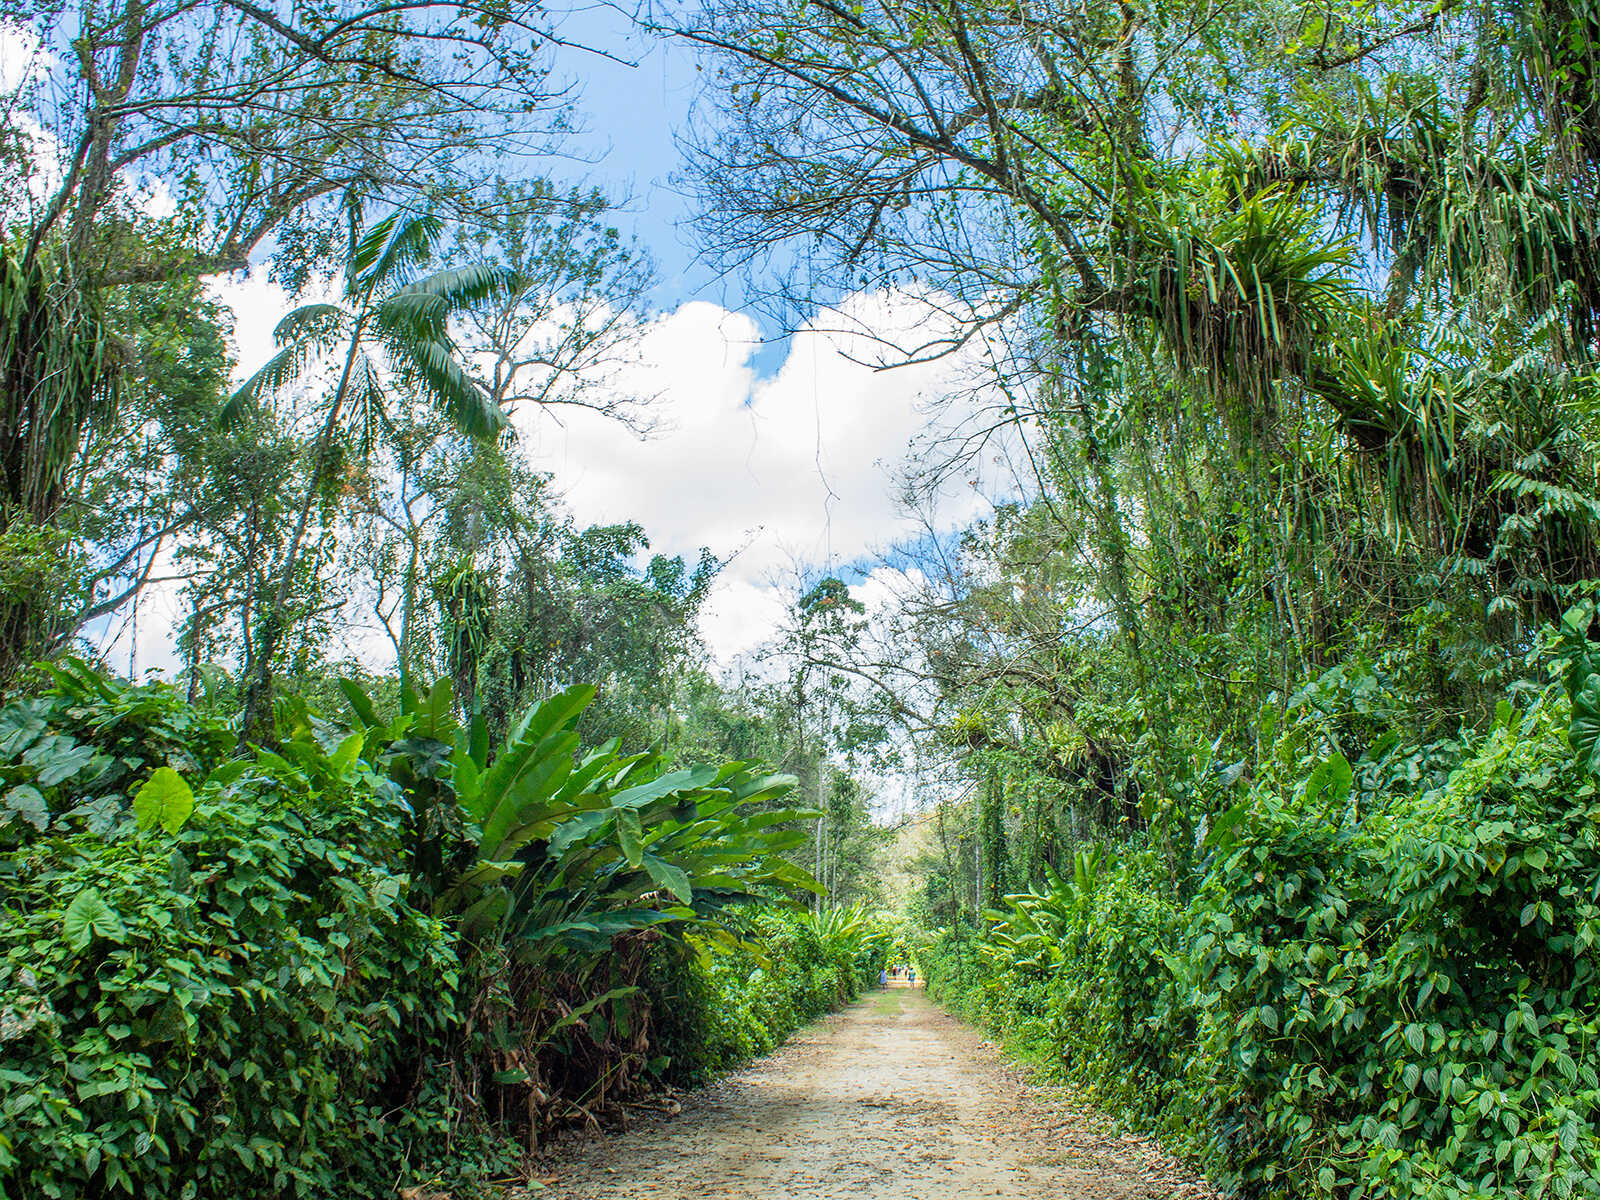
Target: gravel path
(887,1098)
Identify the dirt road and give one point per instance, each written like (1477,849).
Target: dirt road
(888,1098)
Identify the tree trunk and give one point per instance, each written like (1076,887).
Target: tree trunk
(256,722)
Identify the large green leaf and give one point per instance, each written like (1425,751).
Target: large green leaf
(559,711)
(595,766)
(761,788)
(1585,728)
(478,739)
(784,839)
(89,917)
(527,746)
(778,816)
(466,776)
(26,802)
(21,726)
(521,798)
(630,835)
(671,784)
(606,925)
(575,829)
(58,759)
(433,713)
(483,913)
(360,703)
(1333,776)
(787,872)
(165,800)
(670,876)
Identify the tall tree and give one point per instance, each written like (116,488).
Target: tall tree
(1109,184)
(150,144)
(1295,309)
(565,328)
(388,340)
(242,116)
(59,371)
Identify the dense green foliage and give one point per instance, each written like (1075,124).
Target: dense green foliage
(297,925)
(377,953)
(1287,316)
(731,1006)
(1258,725)
(213,1008)
(1382,985)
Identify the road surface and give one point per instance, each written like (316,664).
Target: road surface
(887,1098)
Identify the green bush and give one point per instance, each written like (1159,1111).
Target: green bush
(1405,1003)
(374,956)
(732,1001)
(1384,984)
(215,1012)
(70,759)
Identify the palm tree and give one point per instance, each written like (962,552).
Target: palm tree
(389,335)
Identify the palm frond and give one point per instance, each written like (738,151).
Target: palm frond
(422,310)
(464,286)
(432,363)
(284,368)
(406,244)
(319,323)
(415,315)
(366,403)
(368,247)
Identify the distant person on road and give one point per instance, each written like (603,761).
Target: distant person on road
(883,977)
(911,974)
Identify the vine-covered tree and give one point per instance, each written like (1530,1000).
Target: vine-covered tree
(1294,309)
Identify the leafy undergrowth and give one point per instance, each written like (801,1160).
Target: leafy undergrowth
(720,1005)
(1380,980)
(376,956)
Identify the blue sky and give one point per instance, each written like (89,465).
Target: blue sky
(632,112)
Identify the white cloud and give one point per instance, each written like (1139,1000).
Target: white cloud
(801,466)
(23,57)
(885,588)
(258,305)
(25,63)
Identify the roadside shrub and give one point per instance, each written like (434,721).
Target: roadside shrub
(726,1002)
(975,979)
(1405,1003)
(1118,1015)
(374,957)
(71,758)
(1384,984)
(217,1011)
(381,955)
